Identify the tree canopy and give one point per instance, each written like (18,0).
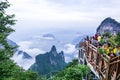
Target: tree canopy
(8,69)
(74,71)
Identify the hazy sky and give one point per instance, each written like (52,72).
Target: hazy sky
(55,16)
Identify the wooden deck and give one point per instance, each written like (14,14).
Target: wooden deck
(106,68)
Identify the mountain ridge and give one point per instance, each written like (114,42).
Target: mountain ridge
(109,25)
(51,61)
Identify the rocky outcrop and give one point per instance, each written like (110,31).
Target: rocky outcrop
(109,25)
(51,61)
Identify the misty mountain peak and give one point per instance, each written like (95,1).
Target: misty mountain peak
(109,20)
(53,48)
(109,25)
(50,36)
(49,62)
(24,55)
(62,52)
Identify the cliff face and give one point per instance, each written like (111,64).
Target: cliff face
(49,62)
(109,25)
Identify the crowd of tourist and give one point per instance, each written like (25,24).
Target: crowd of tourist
(105,43)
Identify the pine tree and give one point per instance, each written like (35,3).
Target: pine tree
(8,69)
(6,51)
(6,21)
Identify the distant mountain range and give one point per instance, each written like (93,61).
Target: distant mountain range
(19,52)
(109,25)
(21,57)
(77,40)
(50,62)
(41,44)
(24,55)
(49,36)
(45,41)
(12,43)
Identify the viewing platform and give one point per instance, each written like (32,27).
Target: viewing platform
(103,67)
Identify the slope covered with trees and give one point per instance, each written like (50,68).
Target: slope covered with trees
(73,71)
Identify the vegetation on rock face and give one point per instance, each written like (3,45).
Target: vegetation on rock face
(49,63)
(8,69)
(117,39)
(72,72)
(107,34)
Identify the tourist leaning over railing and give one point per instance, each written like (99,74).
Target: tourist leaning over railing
(95,42)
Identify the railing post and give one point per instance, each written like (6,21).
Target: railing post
(117,68)
(79,57)
(107,70)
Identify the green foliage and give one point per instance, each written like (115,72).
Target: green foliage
(117,39)
(5,22)
(108,34)
(48,64)
(73,63)
(72,72)
(101,51)
(103,41)
(112,41)
(8,69)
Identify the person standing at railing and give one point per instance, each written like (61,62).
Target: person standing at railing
(87,37)
(99,40)
(107,48)
(94,42)
(115,50)
(96,36)
(112,55)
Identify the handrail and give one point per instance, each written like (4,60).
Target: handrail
(115,62)
(115,58)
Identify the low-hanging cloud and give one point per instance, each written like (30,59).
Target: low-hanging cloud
(70,52)
(26,46)
(69,48)
(33,52)
(24,63)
